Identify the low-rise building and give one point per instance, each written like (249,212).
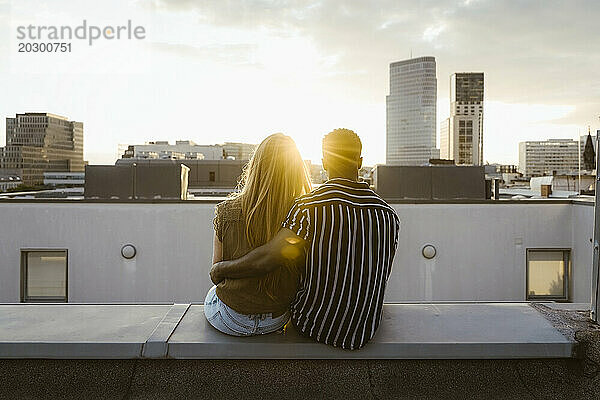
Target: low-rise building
(573,182)
(181,150)
(71,179)
(238,151)
(553,156)
(505,174)
(547,157)
(40,142)
(187,150)
(7,183)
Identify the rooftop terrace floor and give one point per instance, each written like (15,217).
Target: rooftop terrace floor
(407,331)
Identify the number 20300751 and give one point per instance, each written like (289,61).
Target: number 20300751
(44,47)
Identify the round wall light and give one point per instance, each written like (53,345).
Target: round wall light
(128,251)
(429,251)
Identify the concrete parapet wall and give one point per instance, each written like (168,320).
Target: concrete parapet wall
(481,248)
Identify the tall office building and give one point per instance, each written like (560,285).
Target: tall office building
(40,142)
(411,112)
(461,135)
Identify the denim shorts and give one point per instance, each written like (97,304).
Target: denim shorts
(228,321)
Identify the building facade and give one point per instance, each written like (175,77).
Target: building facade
(553,156)
(239,151)
(8,183)
(40,142)
(411,112)
(181,150)
(461,135)
(202,174)
(64,179)
(445,139)
(187,150)
(440,182)
(145,180)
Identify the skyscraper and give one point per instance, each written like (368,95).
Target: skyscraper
(411,112)
(39,142)
(462,137)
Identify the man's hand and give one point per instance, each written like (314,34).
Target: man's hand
(214,273)
(285,248)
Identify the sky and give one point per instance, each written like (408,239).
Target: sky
(224,70)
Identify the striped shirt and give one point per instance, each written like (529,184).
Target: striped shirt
(351,235)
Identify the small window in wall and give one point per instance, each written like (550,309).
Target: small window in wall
(211,176)
(548,274)
(43,276)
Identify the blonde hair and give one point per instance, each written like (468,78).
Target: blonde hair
(273,178)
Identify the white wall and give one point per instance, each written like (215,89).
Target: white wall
(583,232)
(174,246)
(481,249)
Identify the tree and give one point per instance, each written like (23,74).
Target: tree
(589,155)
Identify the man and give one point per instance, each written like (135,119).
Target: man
(346,235)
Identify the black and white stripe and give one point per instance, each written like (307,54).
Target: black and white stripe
(352,237)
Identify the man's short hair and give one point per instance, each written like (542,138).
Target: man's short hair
(342,145)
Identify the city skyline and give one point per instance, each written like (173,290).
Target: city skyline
(229,74)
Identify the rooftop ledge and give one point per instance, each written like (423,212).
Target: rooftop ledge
(6,199)
(180,331)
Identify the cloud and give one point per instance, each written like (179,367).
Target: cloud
(544,54)
(433,32)
(530,51)
(230,54)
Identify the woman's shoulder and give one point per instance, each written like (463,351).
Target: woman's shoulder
(228,217)
(230,209)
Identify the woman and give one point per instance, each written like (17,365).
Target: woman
(274,177)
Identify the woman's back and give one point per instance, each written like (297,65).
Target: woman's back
(249,295)
(273,179)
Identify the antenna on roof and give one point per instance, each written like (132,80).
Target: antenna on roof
(578,162)
(411,53)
